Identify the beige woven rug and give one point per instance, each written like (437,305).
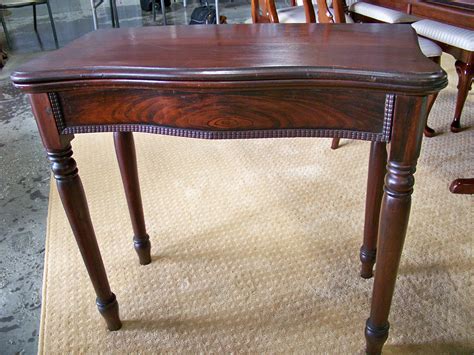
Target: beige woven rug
(255,249)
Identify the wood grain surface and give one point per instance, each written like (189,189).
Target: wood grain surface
(240,53)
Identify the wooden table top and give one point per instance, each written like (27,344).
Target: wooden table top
(378,54)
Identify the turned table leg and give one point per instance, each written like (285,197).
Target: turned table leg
(377,162)
(126,156)
(75,204)
(407,131)
(465,73)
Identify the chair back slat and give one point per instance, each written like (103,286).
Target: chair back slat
(339,11)
(264,11)
(324,15)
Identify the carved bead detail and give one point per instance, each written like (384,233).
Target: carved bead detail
(110,310)
(399,180)
(376,337)
(367,256)
(62,164)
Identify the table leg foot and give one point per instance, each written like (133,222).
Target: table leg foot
(367,258)
(110,311)
(375,337)
(142,246)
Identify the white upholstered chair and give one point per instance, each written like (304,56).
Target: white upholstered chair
(459,42)
(380,13)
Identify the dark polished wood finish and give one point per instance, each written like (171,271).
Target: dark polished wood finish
(74,201)
(126,156)
(465,73)
(259,81)
(462,186)
(375,181)
(456,13)
(409,120)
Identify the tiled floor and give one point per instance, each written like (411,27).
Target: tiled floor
(24,171)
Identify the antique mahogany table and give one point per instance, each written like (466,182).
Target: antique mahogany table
(367,82)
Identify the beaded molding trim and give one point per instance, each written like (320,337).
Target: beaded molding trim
(383,136)
(388,116)
(57,111)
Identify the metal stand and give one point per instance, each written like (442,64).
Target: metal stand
(35,22)
(163,10)
(113,13)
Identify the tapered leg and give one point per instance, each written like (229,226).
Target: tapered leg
(377,162)
(407,131)
(126,156)
(53,27)
(335,143)
(75,204)
(465,73)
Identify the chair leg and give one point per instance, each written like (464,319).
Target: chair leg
(35,22)
(335,143)
(375,180)
(125,151)
(465,73)
(4,25)
(428,131)
(112,17)
(163,11)
(114,11)
(53,27)
(94,15)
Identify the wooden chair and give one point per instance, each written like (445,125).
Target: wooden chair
(10,4)
(265,11)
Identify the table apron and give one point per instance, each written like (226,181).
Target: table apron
(221,114)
